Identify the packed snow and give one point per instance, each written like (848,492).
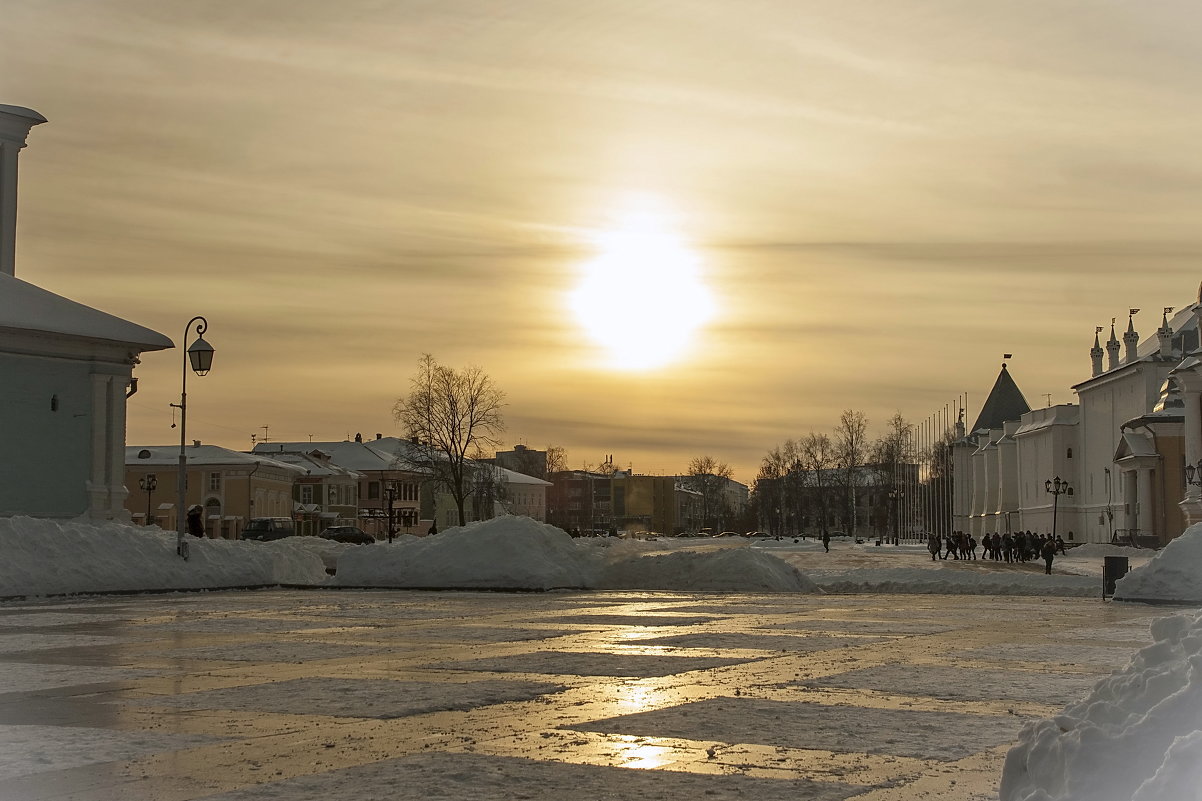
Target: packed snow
(1136,737)
(1175,575)
(47,557)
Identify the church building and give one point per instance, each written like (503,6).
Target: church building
(1110,468)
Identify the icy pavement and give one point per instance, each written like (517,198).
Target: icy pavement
(363,695)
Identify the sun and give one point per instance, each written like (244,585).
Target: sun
(642,297)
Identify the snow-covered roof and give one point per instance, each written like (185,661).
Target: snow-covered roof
(208,455)
(358,456)
(514,477)
(27,308)
(315,466)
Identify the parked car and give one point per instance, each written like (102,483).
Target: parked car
(268,528)
(352,534)
(727,534)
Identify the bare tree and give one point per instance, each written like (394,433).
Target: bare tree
(851,447)
(769,489)
(557,460)
(888,462)
(707,477)
(453,415)
(816,459)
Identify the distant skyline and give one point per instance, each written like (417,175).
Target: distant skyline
(665,228)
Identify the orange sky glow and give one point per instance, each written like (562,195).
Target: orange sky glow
(665,228)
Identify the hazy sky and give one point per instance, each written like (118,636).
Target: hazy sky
(860,204)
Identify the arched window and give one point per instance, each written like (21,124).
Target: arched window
(1070,453)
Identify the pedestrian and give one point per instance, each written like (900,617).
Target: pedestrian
(1048,552)
(196,526)
(972,547)
(826,541)
(1060,545)
(1007,546)
(933,545)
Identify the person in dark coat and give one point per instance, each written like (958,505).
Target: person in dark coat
(196,526)
(1048,552)
(826,541)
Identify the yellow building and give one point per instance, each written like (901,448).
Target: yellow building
(231,487)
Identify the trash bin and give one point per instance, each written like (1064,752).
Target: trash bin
(1113,569)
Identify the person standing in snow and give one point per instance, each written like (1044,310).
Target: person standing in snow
(196,526)
(1048,552)
(933,545)
(826,541)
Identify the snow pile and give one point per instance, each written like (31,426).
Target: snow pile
(1137,737)
(952,581)
(1097,550)
(1175,574)
(502,553)
(731,569)
(520,553)
(43,557)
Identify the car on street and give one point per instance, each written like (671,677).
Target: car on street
(352,534)
(268,528)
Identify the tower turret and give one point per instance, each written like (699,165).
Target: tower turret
(15,122)
(1096,352)
(1112,348)
(1165,334)
(1130,339)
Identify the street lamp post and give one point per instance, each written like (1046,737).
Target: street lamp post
(1056,488)
(200,357)
(149,483)
(895,496)
(390,490)
(1193,474)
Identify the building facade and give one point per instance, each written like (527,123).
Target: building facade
(67,372)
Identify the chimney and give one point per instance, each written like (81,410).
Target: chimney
(15,122)
(1130,339)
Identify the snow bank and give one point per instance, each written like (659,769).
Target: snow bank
(45,557)
(1096,550)
(1174,574)
(952,581)
(520,553)
(502,553)
(731,569)
(1137,737)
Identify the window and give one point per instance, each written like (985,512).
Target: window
(373,490)
(333,494)
(1070,453)
(214,482)
(306,493)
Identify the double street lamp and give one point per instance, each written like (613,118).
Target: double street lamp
(149,483)
(1056,488)
(200,357)
(1193,474)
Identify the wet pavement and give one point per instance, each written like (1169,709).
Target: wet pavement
(413,695)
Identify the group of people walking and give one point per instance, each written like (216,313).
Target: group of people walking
(1021,546)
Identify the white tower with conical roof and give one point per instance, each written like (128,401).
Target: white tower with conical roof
(1130,339)
(15,122)
(1112,349)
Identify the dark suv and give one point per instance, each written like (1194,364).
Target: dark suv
(268,528)
(351,534)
